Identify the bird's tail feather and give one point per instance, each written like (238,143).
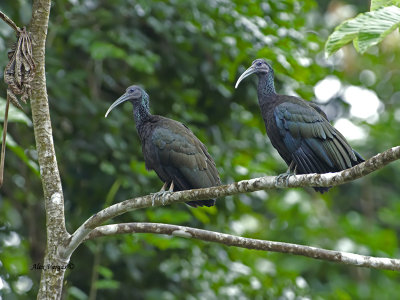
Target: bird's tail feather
(200,203)
(360,159)
(321,189)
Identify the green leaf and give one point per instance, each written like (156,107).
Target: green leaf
(105,272)
(107,167)
(375,4)
(101,50)
(76,293)
(165,242)
(166,215)
(15,264)
(14,114)
(365,30)
(107,284)
(142,63)
(201,215)
(20,152)
(83,38)
(112,192)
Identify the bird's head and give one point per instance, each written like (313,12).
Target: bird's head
(135,94)
(259,67)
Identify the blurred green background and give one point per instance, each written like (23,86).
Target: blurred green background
(187,55)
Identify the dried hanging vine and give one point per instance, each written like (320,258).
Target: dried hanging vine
(18,75)
(20,69)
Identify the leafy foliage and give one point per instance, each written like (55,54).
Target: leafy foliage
(14,114)
(365,30)
(375,4)
(187,55)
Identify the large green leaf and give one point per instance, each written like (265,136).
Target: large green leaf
(365,30)
(375,4)
(14,114)
(20,152)
(102,50)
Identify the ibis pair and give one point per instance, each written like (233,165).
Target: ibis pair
(299,130)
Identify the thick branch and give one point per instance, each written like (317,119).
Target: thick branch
(262,183)
(242,242)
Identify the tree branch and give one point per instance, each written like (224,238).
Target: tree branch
(248,243)
(9,22)
(268,182)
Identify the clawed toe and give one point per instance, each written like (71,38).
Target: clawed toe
(284,176)
(163,195)
(153,198)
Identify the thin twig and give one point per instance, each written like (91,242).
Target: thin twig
(268,182)
(17,30)
(10,22)
(95,270)
(3,144)
(248,243)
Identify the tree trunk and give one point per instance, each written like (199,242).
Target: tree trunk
(53,272)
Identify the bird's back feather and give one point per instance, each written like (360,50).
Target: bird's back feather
(302,134)
(177,155)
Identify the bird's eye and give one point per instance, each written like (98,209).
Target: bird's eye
(259,64)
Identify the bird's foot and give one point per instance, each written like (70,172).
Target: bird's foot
(284,176)
(161,194)
(154,196)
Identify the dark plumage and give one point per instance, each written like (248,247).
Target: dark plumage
(171,149)
(300,130)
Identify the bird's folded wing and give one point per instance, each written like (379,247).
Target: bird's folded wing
(184,157)
(308,134)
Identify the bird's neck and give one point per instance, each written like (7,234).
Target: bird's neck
(266,87)
(141,114)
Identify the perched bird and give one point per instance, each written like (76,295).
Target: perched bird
(171,149)
(300,130)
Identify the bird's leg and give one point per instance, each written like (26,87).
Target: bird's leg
(170,191)
(158,194)
(162,193)
(285,176)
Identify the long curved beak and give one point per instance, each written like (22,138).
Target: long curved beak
(123,98)
(246,73)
